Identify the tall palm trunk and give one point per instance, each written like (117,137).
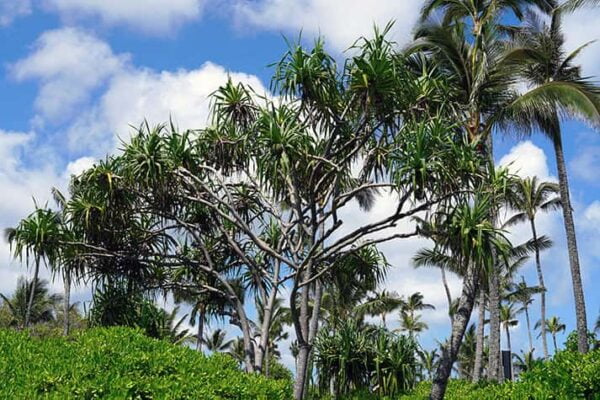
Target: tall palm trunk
(478,363)
(459,326)
(554,341)
(582,342)
(36,272)
(538,266)
(528,328)
(67,305)
(447,290)
(509,349)
(494,337)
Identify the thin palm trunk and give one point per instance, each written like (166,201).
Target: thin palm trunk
(478,363)
(582,342)
(67,305)
(36,272)
(528,328)
(554,341)
(447,290)
(494,337)
(538,266)
(459,326)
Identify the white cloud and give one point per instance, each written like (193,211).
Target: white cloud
(340,21)
(581,27)
(149,16)
(526,159)
(12,9)
(78,166)
(69,63)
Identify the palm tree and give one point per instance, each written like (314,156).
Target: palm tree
(558,89)
(414,303)
(37,236)
(523,294)
(466,356)
(42,309)
(554,327)
(429,360)
(411,324)
(215,341)
(529,197)
(380,303)
(470,236)
(526,361)
(597,326)
(469,46)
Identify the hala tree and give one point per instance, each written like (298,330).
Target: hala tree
(264,188)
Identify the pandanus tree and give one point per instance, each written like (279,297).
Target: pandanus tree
(529,197)
(331,138)
(557,90)
(35,239)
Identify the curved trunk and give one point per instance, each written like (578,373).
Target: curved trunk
(538,266)
(554,341)
(494,337)
(67,305)
(477,365)
(36,272)
(459,326)
(582,342)
(448,294)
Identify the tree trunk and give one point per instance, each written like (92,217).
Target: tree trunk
(260,356)
(528,328)
(301,371)
(66,305)
(582,342)
(477,365)
(36,272)
(554,341)
(494,337)
(538,266)
(201,318)
(459,326)
(301,324)
(448,294)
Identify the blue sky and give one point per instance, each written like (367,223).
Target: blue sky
(75,73)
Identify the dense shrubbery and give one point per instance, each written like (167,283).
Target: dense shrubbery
(120,363)
(569,375)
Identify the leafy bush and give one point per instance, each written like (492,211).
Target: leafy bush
(569,375)
(121,363)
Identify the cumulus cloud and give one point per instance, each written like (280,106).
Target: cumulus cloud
(148,16)
(97,94)
(12,9)
(526,160)
(340,21)
(69,63)
(581,27)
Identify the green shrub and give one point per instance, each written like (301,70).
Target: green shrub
(568,376)
(121,363)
